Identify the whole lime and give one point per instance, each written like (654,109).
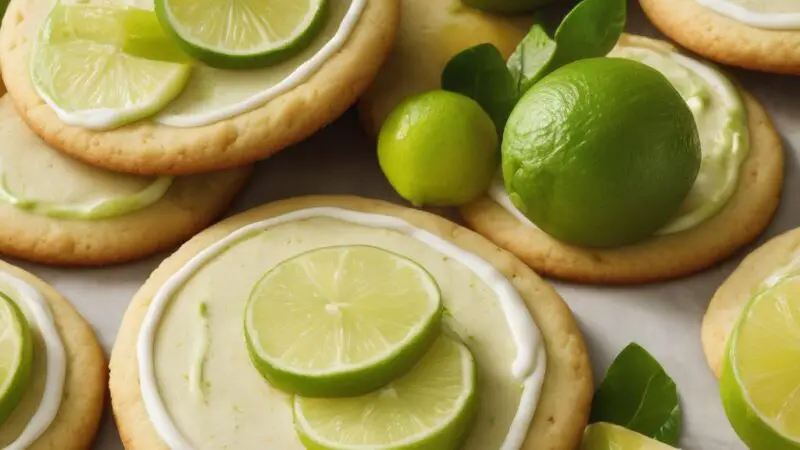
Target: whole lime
(601,152)
(507,6)
(439,148)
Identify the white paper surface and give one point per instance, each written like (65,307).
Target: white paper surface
(664,318)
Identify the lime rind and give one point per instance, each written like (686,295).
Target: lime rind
(450,434)
(266,54)
(15,386)
(752,427)
(347,380)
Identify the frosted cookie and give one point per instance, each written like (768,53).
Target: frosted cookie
(432,32)
(222,118)
(61,399)
(758,35)
(56,210)
(733,200)
(182,377)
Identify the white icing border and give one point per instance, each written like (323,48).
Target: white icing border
(770,21)
(529,366)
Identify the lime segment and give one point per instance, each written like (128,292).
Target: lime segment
(243,33)
(16,356)
(606,436)
(760,382)
(341,321)
(101,67)
(428,409)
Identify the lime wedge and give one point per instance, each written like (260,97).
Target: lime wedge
(243,34)
(101,67)
(760,381)
(430,408)
(16,356)
(606,436)
(341,321)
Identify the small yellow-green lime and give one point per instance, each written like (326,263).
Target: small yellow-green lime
(243,34)
(601,152)
(102,66)
(607,436)
(430,408)
(507,6)
(341,321)
(760,378)
(439,148)
(16,356)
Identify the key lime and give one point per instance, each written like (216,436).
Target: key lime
(760,381)
(341,321)
(16,356)
(507,6)
(606,436)
(430,408)
(104,66)
(601,152)
(242,34)
(439,148)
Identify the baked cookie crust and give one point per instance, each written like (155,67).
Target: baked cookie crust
(567,391)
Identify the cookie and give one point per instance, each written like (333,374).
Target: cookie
(293,226)
(723,39)
(46,178)
(431,32)
(736,292)
(69,376)
(147,147)
(661,257)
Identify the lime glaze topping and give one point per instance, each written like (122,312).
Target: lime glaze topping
(768,14)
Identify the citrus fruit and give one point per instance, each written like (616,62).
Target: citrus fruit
(607,436)
(341,321)
(507,6)
(601,152)
(430,408)
(439,148)
(760,378)
(245,33)
(16,356)
(103,66)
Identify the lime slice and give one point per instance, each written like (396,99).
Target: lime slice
(101,67)
(341,321)
(243,34)
(430,408)
(16,356)
(606,436)
(760,382)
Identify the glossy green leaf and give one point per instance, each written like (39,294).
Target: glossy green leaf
(639,395)
(590,30)
(531,59)
(480,73)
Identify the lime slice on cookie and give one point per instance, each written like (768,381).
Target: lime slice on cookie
(607,436)
(16,356)
(101,67)
(430,408)
(341,321)
(244,34)
(760,378)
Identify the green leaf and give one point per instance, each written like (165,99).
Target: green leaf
(531,59)
(480,73)
(639,395)
(590,30)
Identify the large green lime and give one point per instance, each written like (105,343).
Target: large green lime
(439,148)
(601,152)
(507,6)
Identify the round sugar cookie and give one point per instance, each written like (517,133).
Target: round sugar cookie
(661,257)
(190,204)
(431,32)
(723,39)
(146,147)
(82,383)
(741,286)
(566,392)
